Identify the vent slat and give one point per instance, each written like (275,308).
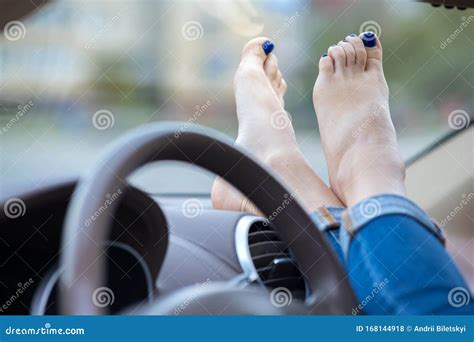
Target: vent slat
(266,235)
(289,282)
(273,262)
(266,259)
(266,247)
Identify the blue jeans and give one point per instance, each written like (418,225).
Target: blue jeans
(395,258)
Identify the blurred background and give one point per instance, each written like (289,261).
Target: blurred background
(77,74)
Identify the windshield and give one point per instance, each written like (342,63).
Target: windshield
(77,74)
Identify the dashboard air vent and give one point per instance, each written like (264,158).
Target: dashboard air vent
(271,262)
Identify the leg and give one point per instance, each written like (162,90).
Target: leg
(395,261)
(397,266)
(359,140)
(265,131)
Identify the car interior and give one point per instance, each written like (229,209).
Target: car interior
(159,249)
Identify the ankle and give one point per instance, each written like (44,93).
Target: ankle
(358,178)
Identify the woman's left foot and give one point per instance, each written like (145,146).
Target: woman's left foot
(266,132)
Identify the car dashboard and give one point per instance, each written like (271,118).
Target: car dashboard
(159,243)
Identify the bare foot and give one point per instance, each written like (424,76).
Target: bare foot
(351,102)
(266,133)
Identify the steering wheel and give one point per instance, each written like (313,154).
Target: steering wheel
(82,257)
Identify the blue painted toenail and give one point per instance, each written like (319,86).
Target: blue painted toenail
(344,40)
(369,39)
(268,46)
(353,35)
(324,55)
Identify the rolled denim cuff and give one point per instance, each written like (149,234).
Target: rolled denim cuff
(329,220)
(357,217)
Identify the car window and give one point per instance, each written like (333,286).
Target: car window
(77,74)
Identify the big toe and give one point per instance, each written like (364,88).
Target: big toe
(256,50)
(373,47)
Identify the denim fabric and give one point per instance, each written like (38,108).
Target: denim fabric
(395,258)
(328,220)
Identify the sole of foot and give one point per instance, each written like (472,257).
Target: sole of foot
(351,100)
(266,133)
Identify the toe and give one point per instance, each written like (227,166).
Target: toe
(278,79)
(271,68)
(281,90)
(373,49)
(253,51)
(338,55)
(282,87)
(359,49)
(326,66)
(349,51)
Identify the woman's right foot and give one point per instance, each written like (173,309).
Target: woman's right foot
(266,132)
(351,102)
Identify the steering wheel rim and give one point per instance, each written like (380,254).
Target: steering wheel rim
(81,257)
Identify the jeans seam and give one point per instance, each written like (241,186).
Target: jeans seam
(355,218)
